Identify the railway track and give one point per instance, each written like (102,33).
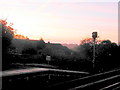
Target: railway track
(114,86)
(36,77)
(103,81)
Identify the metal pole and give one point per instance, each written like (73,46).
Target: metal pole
(48,62)
(94,53)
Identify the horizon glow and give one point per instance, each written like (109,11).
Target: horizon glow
(62,22)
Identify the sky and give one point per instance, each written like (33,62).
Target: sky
(62,21)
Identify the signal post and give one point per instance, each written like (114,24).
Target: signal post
(94,35)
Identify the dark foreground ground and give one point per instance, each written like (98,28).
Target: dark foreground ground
(47,79)
(36,81)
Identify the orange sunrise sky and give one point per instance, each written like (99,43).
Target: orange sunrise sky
(62,21)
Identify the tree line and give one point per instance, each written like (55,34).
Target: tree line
(78,59)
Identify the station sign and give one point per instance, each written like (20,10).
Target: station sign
(48,58)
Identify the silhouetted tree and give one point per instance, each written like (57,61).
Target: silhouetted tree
(18,36)
(106,52)
(7,36)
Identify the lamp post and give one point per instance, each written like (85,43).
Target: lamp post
(94,35)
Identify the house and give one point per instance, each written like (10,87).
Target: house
(19,45)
